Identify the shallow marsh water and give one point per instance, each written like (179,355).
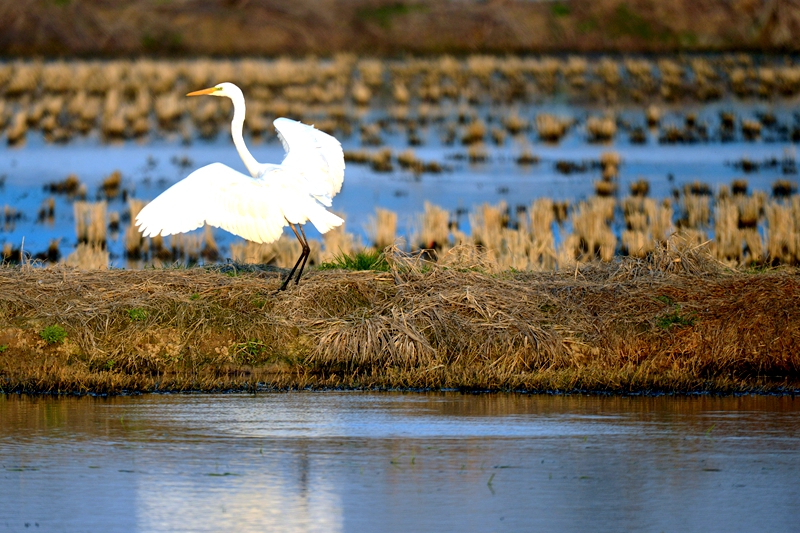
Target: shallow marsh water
(399,462)
(149,167)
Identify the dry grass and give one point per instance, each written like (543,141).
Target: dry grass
(203,27)
(675,321)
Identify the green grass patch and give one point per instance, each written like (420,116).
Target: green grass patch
(759,268)
(626,22)
(363,260)
(53,334)
(663,298)
(3,347)
(674,319)
(137,314)
(688,39)
(383,16)
(249,352)
(588,26)
(559,9)
(163,42)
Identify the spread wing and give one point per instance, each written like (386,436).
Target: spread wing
(219,196)
(314,156)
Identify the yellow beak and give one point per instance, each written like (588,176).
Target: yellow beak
(202,92)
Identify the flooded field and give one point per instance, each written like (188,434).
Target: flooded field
(399,462)
(438,151)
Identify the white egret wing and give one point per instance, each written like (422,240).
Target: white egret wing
(221,197)
(313,155)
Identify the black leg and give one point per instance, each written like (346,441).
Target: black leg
(303,255)
(306,252)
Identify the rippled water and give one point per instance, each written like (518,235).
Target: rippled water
(399,462)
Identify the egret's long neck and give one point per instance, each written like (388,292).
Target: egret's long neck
(236,132)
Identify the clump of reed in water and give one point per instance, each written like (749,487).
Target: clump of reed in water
(88,256)
(90,222)
(551,128)
(383,228)
(601,129)
(127,99)
(71,186)
(111,185)
(135,245)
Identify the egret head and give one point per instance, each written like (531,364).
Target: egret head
(221,89)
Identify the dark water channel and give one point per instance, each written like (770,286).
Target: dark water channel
(399,462)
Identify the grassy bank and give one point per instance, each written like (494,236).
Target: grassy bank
(91,27)
(676,321)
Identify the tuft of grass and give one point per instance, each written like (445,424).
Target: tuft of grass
(587,26)
(3,347)
(194,296)
(53,334)
(674,318)
(363,260)
(250,351)
(627,22)
(559,9)
(759,268)
(384,15)
(137,314)
(663,298)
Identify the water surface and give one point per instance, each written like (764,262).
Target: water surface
(148,168)
(399,462)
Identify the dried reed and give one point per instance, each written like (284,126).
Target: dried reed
(675,320)
(90,222)
(383,228)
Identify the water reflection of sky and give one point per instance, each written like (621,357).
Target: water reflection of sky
(148,168)
(399,462)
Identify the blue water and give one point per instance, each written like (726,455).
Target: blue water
(150,167)
(399,462)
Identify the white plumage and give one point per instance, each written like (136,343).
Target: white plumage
(257,208)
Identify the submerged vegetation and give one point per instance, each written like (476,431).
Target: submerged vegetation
(674,320)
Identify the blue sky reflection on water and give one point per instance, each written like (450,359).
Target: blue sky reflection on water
(399,462)
(148,168)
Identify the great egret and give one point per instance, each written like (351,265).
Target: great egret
(257,208)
